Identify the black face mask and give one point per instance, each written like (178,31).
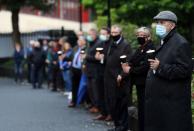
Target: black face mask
(116,38)
(141,40)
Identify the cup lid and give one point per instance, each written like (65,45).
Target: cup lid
(99,49)
(150,51)
(123,56)
(59,52)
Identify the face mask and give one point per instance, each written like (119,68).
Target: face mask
(89,38)
(116,38)
(103,38)
(141,40)
(161,31)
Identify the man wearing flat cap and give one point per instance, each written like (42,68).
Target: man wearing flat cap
(168,83)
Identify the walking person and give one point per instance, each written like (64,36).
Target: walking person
(168,84)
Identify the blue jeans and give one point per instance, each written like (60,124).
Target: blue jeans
(18,71)
(67,77)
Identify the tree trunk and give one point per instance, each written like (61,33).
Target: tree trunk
(192,37)
(15,26)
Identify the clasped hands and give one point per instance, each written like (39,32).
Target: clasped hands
(99,56)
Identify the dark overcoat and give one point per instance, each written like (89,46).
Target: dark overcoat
(112,70)
(168,90)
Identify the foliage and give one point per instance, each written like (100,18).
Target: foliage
(141,13)
(14,6)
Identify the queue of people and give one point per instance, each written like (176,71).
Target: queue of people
(101,70)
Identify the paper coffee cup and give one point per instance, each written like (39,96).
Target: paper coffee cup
(99,49)
(123,59)
(150,54)
(59,52)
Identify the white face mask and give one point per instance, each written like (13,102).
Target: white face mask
(103,37)
(161,31)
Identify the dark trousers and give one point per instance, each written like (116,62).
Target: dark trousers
(119,113)
(102,96)
(18,72)
(141,105)
(57,78)
(93,91)
(36,76)
(29,73)
(76,76)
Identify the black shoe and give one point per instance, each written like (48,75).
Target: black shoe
(113,129)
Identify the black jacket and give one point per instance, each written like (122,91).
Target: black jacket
(91,62)
(168,91)
(38,57)
(113,69)
(101,66)
(140,65)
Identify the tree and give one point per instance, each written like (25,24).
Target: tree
(14,6)
(141,12)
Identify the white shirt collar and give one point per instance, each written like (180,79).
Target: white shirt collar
(117,42)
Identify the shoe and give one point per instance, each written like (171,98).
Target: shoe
(118,129)
(94,110)
(108,118)
(113,129)
(71,105)
(100,117)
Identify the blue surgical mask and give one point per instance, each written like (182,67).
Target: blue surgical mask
(161,31)
(89,38)
(103,37)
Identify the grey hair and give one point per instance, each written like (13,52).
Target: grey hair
(146,30)
(118,27)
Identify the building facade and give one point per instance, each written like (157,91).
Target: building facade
(63,9)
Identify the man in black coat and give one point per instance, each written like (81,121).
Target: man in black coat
(91,70)
(101,57)
(117,91)
(37,59)
(168,84)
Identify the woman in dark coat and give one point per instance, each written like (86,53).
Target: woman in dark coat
(138,68)
(168,84)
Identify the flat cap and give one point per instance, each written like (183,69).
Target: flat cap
(166,15)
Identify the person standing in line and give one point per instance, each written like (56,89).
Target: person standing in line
(76,70)
(137,69)
(65,62)
(37,59)
(19,61)
(101,57)
(117,90)
(168,83)
(91,70)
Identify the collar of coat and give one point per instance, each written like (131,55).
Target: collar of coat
(170,34)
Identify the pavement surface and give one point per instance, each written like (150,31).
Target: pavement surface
(25,109)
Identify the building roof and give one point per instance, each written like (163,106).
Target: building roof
(32,23)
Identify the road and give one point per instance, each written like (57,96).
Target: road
(25,109)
